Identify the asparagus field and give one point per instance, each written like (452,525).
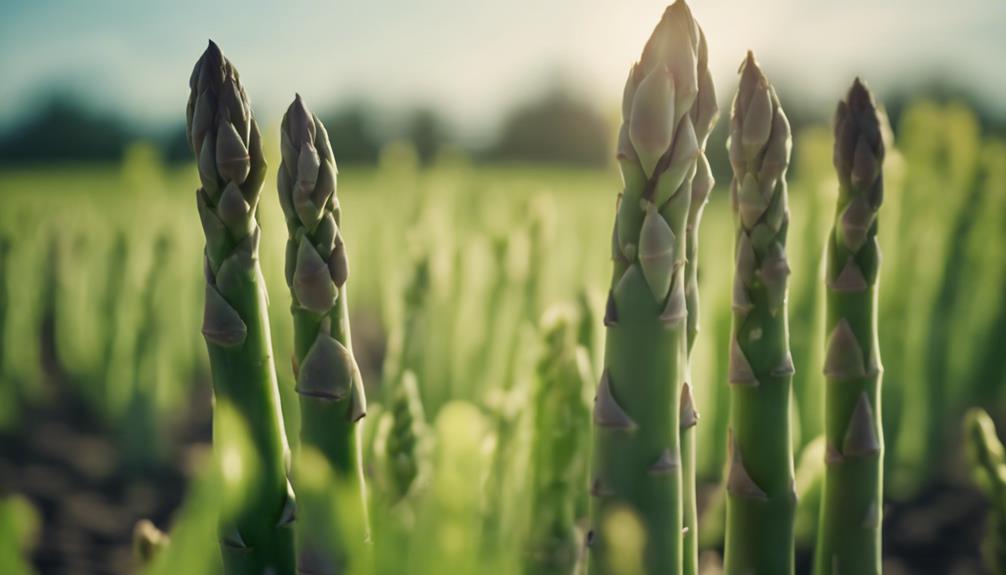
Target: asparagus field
(523,380)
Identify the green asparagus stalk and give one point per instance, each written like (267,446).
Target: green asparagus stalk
(5,249)
(808,478)
(988,463)
(761,502)
(332,400)
(369,444)
(704,114)
(588,319)
(52,364)
(404,437)
(851,509)
(558,463)
(407,353)
(456,494)
(228,151)
(142,444)
(637,462)
(401,432)
(118,258)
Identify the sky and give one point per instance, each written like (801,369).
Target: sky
(472,60)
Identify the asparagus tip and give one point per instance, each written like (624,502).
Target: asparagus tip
(749,60)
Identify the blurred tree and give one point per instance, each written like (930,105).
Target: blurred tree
(427,133)
(353,135)
(174,145)
(64,129)
(991,122)
(555,128)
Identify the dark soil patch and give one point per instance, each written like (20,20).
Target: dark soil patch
(71,468)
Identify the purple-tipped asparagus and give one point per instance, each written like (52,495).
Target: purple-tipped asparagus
(225,139)
(667,105)
(761,502)
(852,505)
(332,400)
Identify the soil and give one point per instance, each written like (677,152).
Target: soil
(70,468)
(89,499)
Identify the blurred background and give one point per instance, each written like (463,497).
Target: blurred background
(474,141)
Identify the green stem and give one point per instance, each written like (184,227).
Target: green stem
(849,539)
(404,439)
(704,115)
(558,454)
(225,138)
(988,465)
(637,472)
(332,400)
(761,502)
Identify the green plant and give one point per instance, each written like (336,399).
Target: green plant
(228,150)
(5,249)
(401,438)
(636,467)
(704,115)
(588,320)
(20,527)
(760,492)
(329,384)
(808,478)
(142,445)
(988,466)
(114,289)
(852,504)
(559,449)
(407,350)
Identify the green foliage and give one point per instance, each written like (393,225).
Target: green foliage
(473,223)
(20,525)
(988,467)
(559,452)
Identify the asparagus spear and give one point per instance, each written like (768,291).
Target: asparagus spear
(228,150)
(5,249)
(849,537)
(332,400)
(404,435)
(636,464)
(406,351)
(704,114)
(988,462)
(760,492)
(587,332)
(558,462)
(402,430)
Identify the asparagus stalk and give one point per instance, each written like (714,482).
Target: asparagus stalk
(587,332)
(5,249)
(402,430)
(558,463)
(849,537)
(407,351)
(636,463)
(704,114)
(142,444)
(988,463)
(761,501)
(228,151)
(332,400)
(403,437)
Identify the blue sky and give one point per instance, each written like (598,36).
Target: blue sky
(472,59)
